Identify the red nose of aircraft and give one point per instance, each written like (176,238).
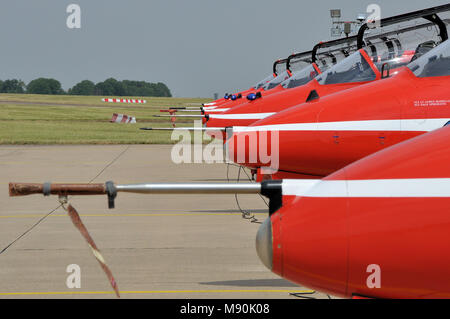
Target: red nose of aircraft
(377,228)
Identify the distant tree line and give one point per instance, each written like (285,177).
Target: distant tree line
(108,87)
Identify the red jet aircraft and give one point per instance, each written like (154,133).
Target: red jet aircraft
(328,133)
(376,228)
(396,46)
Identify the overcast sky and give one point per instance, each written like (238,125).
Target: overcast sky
(196,47)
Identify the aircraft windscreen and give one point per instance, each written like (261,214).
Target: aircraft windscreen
(324,63)
(327,56)
(264,81)
(301,77)
(298,64)
(280,67)
(434,63)
(280,78)
(394,60)
(396,46)
(355,68)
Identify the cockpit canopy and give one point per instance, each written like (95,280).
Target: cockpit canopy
(392,48)
(263,81)
(273,83)
(325,56)
(433,63)
(300,77)
(353,69)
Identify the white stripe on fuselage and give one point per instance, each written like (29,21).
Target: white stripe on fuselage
(243,116)
(217,110)
(414,187)
(419,125)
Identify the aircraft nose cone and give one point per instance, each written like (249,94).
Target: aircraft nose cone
(264,243)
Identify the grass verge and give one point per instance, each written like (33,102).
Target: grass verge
(47,119)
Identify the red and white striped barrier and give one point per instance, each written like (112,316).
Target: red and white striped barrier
(124,101)
(122,118)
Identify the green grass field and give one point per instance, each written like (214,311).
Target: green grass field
(48,119)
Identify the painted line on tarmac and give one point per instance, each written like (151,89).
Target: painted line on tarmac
(151,292)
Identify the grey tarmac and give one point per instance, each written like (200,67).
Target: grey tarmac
(157,246)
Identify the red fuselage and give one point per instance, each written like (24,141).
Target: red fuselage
(322,136)
(377,228)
